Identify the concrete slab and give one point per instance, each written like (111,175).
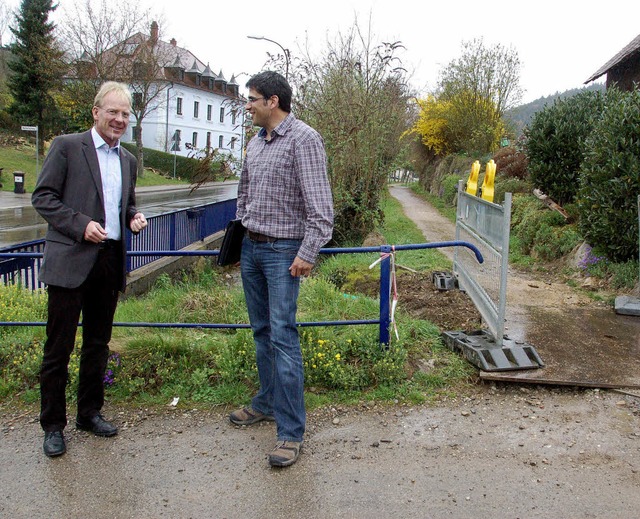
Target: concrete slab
(627,305)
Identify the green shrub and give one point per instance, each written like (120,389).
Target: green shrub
(540,232)
(510,185)
(555,143)
(610,178)
(186,167)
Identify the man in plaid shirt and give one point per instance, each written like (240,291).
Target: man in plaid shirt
(285,203)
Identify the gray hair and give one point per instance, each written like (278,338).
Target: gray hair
(121,91)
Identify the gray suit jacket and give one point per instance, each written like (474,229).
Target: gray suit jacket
(68,195)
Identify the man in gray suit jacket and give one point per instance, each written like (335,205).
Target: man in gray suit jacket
(86,193)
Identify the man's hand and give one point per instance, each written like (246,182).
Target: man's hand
(138,222)
(300,267)
(94,232)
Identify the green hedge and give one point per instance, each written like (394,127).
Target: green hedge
(186,167)
(610,178)
(555,143)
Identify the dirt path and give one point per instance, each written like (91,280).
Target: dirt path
(503,450)
(522,288)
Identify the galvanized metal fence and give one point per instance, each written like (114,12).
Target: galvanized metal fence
(487,225)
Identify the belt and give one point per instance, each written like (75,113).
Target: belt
(262,238)
(109,244)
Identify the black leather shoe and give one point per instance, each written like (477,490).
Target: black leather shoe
(54,444)
(97,425)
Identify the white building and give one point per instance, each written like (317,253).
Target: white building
(188,101)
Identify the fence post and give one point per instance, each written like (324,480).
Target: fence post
(172,232)
(385,294)
(128,243)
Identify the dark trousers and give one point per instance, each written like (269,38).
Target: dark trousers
(96,298)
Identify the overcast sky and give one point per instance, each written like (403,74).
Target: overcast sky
(560,42)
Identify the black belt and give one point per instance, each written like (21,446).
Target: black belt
(262,238)
(109,244)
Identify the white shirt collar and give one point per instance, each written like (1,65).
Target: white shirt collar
(98,141)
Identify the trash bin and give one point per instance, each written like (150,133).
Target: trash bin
(18,182)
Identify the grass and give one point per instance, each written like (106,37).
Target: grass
(23,158)
(18,158)
(343,364)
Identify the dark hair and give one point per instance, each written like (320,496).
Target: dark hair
(271,83)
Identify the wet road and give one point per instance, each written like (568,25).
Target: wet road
(20,223)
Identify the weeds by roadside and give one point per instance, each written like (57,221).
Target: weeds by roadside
(343,364)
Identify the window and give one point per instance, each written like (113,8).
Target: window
(179,105)
(194,139)
(209,111)
(220,141)
(233,117)
(233,143)
(208,140)
(222,114)
(196,108)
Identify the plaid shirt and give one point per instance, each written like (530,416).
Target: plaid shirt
(284,190)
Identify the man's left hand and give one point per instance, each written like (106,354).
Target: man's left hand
(300,267)
(138,222)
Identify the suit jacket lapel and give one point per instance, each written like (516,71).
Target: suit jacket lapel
(89,150)
(125,167)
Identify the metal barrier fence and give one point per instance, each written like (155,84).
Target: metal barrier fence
(387,272)
(487,226)
(167,232)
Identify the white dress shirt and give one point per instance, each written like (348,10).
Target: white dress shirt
(111,173)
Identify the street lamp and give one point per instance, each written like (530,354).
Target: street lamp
(285,51)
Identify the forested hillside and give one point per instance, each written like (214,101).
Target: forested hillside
(521,115)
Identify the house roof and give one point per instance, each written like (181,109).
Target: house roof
(173,56)
(625,53)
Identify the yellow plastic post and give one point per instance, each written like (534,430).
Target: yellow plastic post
(489,180)
(472,183)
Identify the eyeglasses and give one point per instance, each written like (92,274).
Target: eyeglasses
(115,113)
(251,100)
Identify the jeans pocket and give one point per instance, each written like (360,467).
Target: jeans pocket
(286,246)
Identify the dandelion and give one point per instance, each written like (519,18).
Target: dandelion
(337,356)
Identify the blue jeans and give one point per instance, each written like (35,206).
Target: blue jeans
(271,293)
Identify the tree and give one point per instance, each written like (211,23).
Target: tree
(356,96)
(107,40)
(477,88)
(37,66)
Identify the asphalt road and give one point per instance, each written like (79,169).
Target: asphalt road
(20,223)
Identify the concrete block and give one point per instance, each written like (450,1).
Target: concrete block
(627,305)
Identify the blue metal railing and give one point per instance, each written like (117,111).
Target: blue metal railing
(166,232)
(384,318)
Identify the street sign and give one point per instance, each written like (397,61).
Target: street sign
(29,128)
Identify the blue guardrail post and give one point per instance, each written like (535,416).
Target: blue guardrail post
(385,292)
